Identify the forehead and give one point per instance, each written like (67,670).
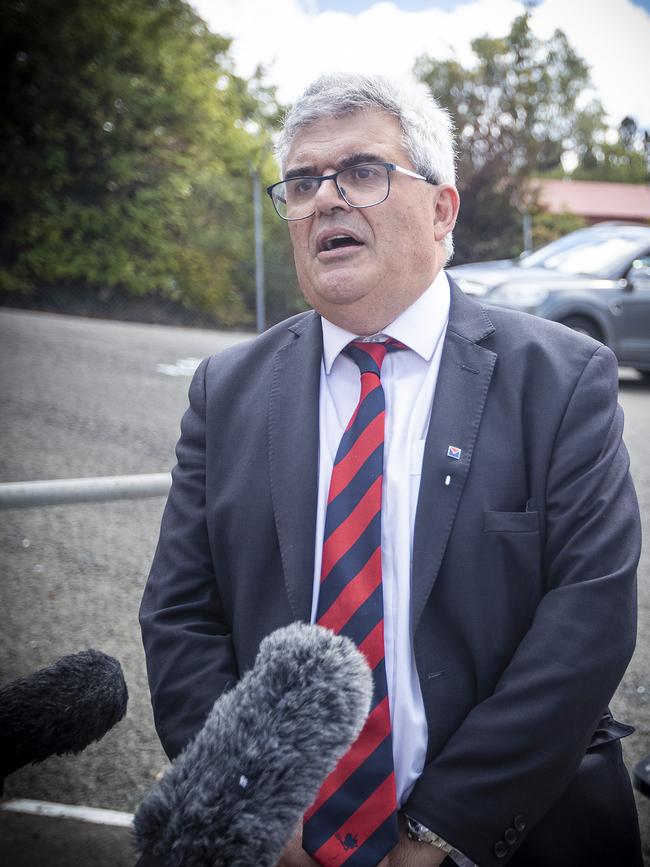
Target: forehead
(326,141)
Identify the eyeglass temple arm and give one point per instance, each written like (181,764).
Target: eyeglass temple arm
(412,174)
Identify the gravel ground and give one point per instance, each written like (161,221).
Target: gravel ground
(82,398)
(87,397)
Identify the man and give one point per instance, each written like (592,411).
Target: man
(504,566)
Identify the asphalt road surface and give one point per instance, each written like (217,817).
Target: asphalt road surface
(85,397)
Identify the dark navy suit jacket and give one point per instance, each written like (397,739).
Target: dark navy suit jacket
(523,583)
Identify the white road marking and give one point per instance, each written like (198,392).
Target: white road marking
(94,815)
(181,367)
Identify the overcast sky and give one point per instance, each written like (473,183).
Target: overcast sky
(298,39)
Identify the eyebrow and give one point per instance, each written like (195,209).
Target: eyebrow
(344,163)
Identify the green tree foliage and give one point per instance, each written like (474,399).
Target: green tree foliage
(548,227)
(516,112)
(126,154)
(626,160)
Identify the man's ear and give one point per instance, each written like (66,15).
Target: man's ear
(446,211)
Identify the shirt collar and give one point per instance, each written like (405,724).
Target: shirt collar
(419,326)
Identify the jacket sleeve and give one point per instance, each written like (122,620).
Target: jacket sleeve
(186,636)
(517,750)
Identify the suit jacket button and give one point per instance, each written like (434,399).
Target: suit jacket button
(510,836)
(500,849)
(519,822)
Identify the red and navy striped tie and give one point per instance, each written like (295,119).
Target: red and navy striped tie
(353,820)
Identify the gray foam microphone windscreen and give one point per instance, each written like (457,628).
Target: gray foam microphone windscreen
(236,793)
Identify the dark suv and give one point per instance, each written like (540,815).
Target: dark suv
(595,280)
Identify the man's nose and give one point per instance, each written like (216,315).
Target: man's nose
(328,198)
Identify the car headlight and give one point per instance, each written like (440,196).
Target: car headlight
(471,287)
(518,295)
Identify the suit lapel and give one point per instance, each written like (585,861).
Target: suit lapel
(293,456)
(463,381)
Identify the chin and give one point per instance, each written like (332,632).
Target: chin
(331,297)
(342,286)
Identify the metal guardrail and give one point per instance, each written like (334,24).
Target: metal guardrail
(95,815)
(58,492)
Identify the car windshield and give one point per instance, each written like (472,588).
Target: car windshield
(586,253)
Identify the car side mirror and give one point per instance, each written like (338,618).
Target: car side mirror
(638,275)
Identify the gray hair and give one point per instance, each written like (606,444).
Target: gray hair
(427,128)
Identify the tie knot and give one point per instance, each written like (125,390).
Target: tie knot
(369,355)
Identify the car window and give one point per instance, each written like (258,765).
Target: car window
(585,253)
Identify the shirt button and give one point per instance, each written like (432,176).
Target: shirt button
(500,849)
(519,822)
(510,836)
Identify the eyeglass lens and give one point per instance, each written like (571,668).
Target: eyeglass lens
(361,186)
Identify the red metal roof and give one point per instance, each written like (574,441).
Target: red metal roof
(595,199)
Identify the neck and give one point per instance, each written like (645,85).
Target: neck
(362,320)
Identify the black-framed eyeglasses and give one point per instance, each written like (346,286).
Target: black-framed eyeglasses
(361,186)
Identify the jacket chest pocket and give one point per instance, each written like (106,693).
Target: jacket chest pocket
(511,522)
(512,551)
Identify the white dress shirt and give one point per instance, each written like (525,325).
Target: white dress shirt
(409,380)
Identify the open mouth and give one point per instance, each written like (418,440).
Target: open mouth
(337,242)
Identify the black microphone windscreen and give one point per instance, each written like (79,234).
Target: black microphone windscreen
(60,709)
(237,792)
